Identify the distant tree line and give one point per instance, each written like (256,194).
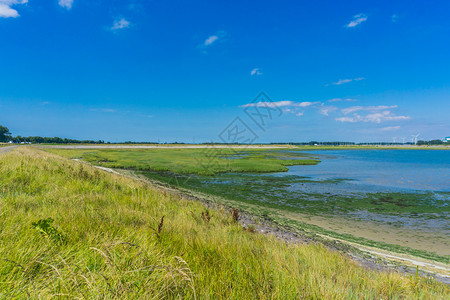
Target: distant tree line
(131,142)
(432,142)
(51,140)
(5,137)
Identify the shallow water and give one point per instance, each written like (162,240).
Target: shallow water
(399,169)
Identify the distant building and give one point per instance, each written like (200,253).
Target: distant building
(446,139)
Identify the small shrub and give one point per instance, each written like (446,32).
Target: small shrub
(44,226)
(251,228)
(206,216)
(235,214)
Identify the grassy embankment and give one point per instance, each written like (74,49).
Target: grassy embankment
(107,240)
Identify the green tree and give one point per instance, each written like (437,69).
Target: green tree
(5,135)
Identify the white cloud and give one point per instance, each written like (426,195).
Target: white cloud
(335,100)
(357,19)
(326,110)
(7,12)
(289,107)
(342,81)
(5,8)
(340,100)
(375,114)
(120,24)
(269,104)
(390,128)
(306,104)
(65,3)
(346,119)
(383,116)
(212,39)
(256,71)
(280,104)
(374,117)
(352,109)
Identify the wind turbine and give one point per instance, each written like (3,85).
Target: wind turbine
(403,140)
(394,140)
(414,138)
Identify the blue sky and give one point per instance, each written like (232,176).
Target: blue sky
(184,70)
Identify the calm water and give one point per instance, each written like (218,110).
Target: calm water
(391,169)
(406,188)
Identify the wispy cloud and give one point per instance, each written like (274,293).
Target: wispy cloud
(5,8)
(212,39)
(357,19)
(352,109)
(121,23)
(376,114)
(256,71)
(390,128)
(341,100)
(335,100)
(373,118)
(342,81)
(269,104)
(289,107)
(305,103)
(65,3)
(326,110)
(107,110)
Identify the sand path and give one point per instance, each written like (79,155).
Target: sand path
(7,149)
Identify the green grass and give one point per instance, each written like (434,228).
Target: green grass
(208,161)
(68,230)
